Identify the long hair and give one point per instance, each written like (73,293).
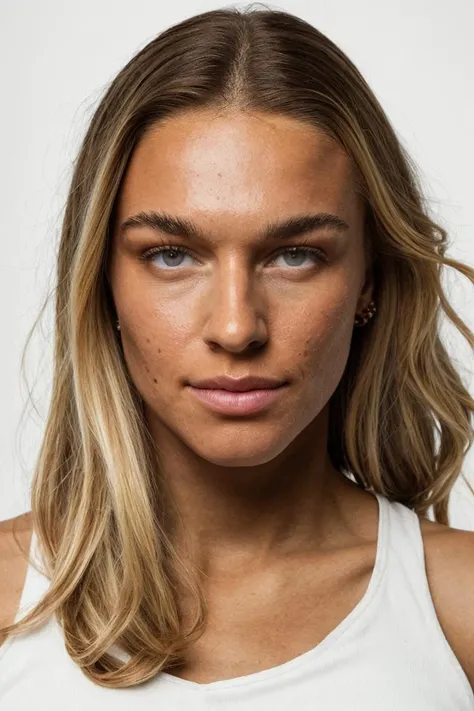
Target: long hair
(98,503)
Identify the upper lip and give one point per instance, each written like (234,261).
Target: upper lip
(249,382)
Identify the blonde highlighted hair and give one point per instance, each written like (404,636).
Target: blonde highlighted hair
(98,503)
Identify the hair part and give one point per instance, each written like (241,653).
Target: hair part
(99,505)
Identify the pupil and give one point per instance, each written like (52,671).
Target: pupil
(174,254)
(294,256)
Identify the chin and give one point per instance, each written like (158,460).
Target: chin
(236,454)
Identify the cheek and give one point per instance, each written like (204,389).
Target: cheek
(153,347)
(321,339)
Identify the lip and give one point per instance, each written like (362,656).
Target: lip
(234,402)
(249,382)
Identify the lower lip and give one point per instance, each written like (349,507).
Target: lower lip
(237,403)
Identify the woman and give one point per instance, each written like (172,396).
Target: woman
(229,505)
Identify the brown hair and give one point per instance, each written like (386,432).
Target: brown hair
(113,569)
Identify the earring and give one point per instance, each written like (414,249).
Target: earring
(367,314)
(118,325)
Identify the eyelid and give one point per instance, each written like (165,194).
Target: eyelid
(162,248)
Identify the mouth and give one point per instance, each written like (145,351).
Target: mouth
(231,402)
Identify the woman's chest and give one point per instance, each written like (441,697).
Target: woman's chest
(267,622)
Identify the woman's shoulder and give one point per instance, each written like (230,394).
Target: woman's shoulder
(449,560)
(15,540)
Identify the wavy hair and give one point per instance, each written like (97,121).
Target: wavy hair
(97,501)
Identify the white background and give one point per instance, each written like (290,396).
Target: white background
(57,56)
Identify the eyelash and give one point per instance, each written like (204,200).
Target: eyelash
(307,249)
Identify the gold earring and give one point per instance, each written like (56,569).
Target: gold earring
(367,314)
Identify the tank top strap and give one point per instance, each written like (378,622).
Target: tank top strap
(406,578)
(404,534)
(36,582)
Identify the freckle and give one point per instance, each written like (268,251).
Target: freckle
(148,340)
(159,350)
(154,380)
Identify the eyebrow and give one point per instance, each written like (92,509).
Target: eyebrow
(294,226)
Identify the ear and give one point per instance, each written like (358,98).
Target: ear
(367,292)
(108,286)
(107,257)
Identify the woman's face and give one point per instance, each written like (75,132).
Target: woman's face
(229,301)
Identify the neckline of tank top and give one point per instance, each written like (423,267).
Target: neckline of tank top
(29,596)
(326,644)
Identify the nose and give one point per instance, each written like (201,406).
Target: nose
(236,321)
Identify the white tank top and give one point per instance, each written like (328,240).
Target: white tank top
(389,653)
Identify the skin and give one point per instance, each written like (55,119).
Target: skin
(250,489)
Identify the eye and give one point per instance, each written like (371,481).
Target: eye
(173,254)
(297,255)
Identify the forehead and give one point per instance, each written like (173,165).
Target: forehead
(237,163)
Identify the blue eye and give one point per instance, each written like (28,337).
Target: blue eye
(296,253)
(175,253)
